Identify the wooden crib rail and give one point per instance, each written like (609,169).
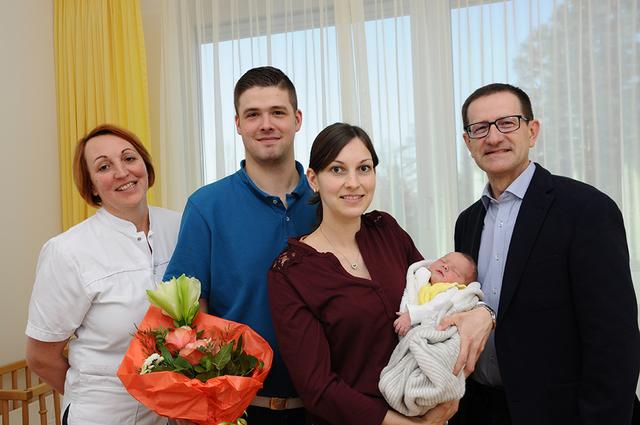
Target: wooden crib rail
(22,393)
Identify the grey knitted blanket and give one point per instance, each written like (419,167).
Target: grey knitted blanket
(419,374)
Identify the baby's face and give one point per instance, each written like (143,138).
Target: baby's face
(453,267)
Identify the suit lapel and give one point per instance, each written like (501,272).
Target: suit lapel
(469,230)
(478,224)
(534,209)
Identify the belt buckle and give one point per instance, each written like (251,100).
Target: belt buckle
(277,403)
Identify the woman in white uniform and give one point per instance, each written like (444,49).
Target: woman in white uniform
(91,281)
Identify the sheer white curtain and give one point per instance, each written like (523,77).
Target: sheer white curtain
(579,60)
(401,69)
(382,64)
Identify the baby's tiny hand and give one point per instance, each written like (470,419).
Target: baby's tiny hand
(402,324)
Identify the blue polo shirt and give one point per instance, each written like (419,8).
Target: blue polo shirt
(231,232)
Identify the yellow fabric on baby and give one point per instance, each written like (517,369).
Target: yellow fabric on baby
(427,292)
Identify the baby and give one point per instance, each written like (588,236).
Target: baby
(419,374)
(424,281)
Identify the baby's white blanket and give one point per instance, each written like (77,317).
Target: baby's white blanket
(419,374)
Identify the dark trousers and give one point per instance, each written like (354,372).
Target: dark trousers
(256,416)
(66,415)
(264,416)
(482,405)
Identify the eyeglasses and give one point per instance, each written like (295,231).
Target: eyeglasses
(508,124)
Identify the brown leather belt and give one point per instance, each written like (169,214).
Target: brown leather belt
(277,403)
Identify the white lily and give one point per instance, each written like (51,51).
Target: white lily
(178,299)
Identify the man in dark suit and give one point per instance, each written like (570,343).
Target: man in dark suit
(554,264)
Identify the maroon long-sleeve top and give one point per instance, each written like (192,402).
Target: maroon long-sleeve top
(335,330)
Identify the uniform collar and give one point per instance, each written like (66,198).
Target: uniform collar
(121,225)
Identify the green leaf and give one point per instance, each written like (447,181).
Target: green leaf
(168,358)
(162,368)
(238,350)
(182,363)
(204,377)
(160,335)
(206,362)
(223,356)
(229,360)
(246,364)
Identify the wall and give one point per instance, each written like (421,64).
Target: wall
(30,212)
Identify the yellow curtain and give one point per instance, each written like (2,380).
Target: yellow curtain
(101,77)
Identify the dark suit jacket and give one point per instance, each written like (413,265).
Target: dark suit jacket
(567,335)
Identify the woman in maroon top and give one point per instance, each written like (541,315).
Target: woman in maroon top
(335,292)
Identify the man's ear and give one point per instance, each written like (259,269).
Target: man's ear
(298,120)
(534,132)
(467,140)
(238,124)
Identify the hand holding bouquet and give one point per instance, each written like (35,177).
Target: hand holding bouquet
(186,364)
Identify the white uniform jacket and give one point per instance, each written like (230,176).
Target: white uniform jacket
(91,282)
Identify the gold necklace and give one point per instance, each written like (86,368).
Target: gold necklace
(353,264)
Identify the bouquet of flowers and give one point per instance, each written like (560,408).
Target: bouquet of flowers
(186,364)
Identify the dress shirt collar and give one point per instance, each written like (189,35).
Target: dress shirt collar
(517,188)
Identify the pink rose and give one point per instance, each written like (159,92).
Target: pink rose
(191,353)
(178,338)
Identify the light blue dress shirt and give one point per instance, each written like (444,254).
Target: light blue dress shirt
(499,223)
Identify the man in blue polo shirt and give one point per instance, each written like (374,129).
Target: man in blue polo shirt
(233,229)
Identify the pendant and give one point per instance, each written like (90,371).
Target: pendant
(354,266)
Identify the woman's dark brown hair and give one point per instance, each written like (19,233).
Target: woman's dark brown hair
(327,146)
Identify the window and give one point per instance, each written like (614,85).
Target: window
(376,67)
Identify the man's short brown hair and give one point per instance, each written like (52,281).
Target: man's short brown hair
(264,76)
(489,89)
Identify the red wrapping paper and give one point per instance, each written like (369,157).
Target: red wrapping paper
(171,394)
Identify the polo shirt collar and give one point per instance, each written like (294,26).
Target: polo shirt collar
(517,188)
(298,191)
